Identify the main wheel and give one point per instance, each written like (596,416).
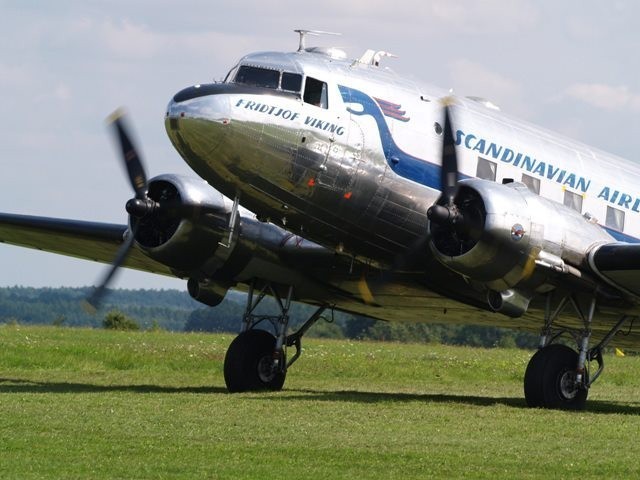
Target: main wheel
(248,364)
(549,380)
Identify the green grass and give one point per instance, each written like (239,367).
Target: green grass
(81,403)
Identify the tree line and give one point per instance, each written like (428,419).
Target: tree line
(174,310)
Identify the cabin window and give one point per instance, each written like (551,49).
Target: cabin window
(573,200)
(258,77)
(291,82)
(486,169)
(615,219)
(315,93)
(532,183)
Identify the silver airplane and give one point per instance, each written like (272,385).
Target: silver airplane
(338,183)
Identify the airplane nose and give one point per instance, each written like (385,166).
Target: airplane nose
(196,121)
(204,102)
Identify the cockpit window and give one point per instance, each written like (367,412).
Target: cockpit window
(266,78)
(230,76)
(315,93)
(291,82)
(258,77)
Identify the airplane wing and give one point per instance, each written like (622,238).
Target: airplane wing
(75,238)
(619,265)
(268,252)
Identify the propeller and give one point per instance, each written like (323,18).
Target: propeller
(443,213)
(144,210)
(139,207)
(449,173)
(446,212)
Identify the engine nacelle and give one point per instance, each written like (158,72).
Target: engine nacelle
(509,229)
(187,240)
(210,293)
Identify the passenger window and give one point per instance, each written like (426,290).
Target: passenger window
(615,219)
(532,183)
(258,77)
(315,93)
(291,82)
(486,169)
(573,200)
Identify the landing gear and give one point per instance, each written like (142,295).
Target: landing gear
(249,363)
(557,376)
(550,379)
(257,359)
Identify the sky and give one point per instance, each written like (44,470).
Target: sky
(571,66)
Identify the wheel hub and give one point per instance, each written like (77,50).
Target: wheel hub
(567,385)
(266,369)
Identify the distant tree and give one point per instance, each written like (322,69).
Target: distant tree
(357,327)
(324,329)
(223,318)
(156,327)
(115,320)
(176,310)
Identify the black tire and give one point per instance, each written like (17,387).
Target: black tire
(533,380)
(548,379)
(247,362)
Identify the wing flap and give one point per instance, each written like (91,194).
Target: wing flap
(619,265)
(80,239)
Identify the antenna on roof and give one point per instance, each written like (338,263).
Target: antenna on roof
(304,33)
(371,57)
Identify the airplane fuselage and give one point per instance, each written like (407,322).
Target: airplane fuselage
(358,172)
(376,195)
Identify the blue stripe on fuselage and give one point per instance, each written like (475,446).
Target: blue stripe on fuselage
(621,237)
(407,166)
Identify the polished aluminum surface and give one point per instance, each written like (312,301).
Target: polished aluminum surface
(331,175)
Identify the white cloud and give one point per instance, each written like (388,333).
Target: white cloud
(606,97)
(62,92)
(14,76)
(474,79)
(126,39)
(411,18)
(130,40)
(485,16)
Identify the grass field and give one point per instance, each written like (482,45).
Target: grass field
(80,403)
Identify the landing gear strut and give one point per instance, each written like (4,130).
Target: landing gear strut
(257,359)
(558,376)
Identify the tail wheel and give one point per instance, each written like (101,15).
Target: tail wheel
(550,379)
(249,363)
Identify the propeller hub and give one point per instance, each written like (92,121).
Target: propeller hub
(141,207)
(449,216)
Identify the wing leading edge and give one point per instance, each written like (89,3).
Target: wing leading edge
(87,240)
(619,265)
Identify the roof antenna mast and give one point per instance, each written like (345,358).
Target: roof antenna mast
(304,33)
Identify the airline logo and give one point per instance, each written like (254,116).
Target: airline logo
(392,110)
(521,160)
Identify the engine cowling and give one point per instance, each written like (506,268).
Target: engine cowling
(186,236)
(507,230)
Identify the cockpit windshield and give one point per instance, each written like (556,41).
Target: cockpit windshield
(268,78)
(258,77)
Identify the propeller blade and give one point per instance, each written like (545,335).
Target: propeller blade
(449,173)
(138,207)
(130,156)
(92,304)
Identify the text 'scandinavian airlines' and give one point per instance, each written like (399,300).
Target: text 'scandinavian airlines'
(339,183)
